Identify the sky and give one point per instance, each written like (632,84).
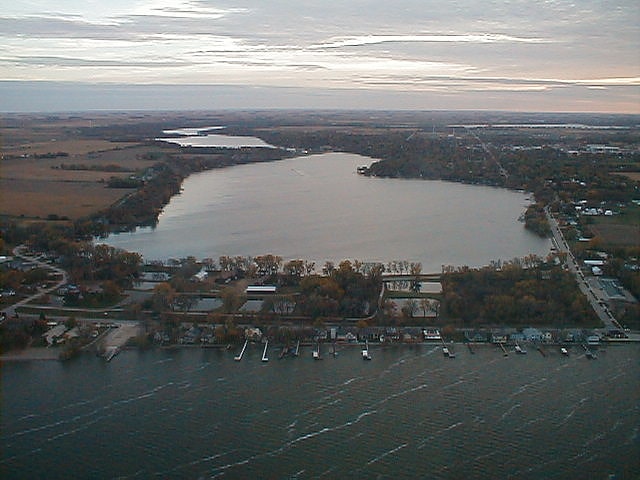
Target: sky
(537,55)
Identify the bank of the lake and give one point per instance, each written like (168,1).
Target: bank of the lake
(318,208)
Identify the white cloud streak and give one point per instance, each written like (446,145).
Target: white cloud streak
(416,46)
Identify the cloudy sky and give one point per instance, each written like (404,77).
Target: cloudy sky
(537,55)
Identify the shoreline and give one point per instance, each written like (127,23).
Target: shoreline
(49,354)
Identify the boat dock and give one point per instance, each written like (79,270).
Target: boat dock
(590,354)
(365,352)
(110,352)
(238,357)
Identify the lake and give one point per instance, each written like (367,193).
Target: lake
(408,413)
(317,208)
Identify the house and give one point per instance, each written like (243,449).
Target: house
(55,334)
(253,334)
(475,336)
(499,336)
(265,289)
(518,337)
(533,334)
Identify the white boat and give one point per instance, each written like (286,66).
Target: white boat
(564,351)
(264,352)
(445,351)
(430,334)
(238,357)
(365,352)
(316,353)
(520,350)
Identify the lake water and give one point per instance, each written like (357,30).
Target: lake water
(317,208)
(214,140)
(408,413)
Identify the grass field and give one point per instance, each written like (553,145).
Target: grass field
(619,230)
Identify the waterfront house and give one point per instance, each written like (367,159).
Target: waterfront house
(475,336)
(499,336)
(55,335)
(533,334)
(518,337)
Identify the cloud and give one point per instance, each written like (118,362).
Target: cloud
(449,38)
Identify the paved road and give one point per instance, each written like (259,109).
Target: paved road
(598,305)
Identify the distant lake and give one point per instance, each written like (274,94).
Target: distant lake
(317,208)
(192,139)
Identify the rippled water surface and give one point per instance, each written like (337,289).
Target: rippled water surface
(408,413)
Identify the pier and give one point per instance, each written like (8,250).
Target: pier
(365,352)
(589,353)
(238,357)
(110,352)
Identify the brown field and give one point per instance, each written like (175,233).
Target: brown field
(38,187)
(72,147)
(635,176)
(41,198)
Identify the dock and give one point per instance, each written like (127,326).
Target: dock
(365,352)
(316,353)
(110,352)
(238,357)
(590,354)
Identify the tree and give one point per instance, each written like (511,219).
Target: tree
(163,297)
(186,302)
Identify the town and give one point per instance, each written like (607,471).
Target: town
(64,293)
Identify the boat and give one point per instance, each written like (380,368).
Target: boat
(520,350)
(238,357)
(264,352)
(445,351)
(564,351)
(430,334)
(365,352)
(593,340)
(316,353)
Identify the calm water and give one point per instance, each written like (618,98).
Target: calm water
(214,140)
(409,413)
(317,208)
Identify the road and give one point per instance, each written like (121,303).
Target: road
(598,305)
